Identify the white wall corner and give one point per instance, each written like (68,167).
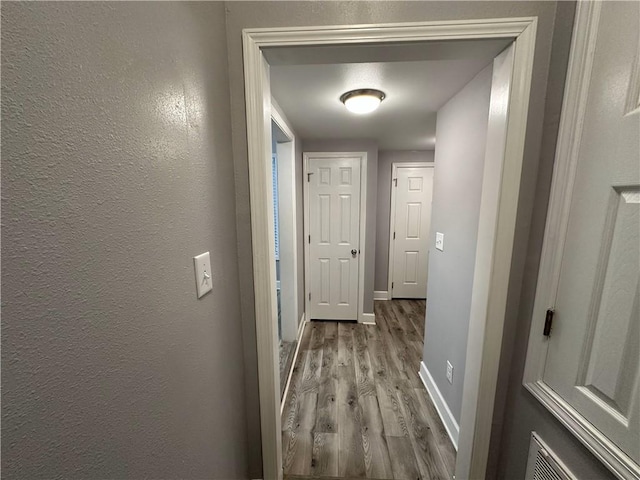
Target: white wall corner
(441,406)
(381,295)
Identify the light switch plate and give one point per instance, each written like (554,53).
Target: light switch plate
(449,372)
(204,278)
(440,241)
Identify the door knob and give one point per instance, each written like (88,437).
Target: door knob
(354,252)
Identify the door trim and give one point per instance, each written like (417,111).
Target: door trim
(362,317)
(484,347)
(574,104)
(289,278)
(392,218)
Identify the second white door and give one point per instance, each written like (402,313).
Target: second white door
(334,236)
(410,222)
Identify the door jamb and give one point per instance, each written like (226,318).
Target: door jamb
(362,226)
(475,432)
(281,121)
(392,218)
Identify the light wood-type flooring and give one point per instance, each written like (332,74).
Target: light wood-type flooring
(356,407)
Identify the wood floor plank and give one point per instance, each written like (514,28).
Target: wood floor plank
(377,354)
(364,375)
(350,453)
(297,449)
(345,344)
(327,415)
(403,461)
(324,457)
(312,369)
(429,460)
(377,462)
(445,447)
(390,411)
(291,402)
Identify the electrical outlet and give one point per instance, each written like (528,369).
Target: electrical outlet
(449,372)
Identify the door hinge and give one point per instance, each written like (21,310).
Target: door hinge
(548,321)
(309,296)
(394,235)
(309,239)
(395,182)
(392,285)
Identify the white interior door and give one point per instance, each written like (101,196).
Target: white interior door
(594,348)
(334,230)
(411,218)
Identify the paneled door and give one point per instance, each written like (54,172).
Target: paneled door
(411,194)
(334,231)
(591,295)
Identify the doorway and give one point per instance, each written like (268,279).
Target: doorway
(334,227)
(501,183)
(411,192)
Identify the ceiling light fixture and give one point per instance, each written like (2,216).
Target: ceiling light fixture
(364,100)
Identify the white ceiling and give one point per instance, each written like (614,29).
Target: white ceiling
(417,79)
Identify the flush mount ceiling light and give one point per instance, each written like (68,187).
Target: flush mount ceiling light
(364,100)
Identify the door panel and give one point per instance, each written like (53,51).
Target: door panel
(593,351)
(411,222)
(334,230)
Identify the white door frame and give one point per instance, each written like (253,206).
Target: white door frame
(392,217)
(288,277)
(362,317)
(485,341)
(583,45)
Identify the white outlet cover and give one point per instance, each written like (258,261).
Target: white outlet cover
(204,278)
(440,241)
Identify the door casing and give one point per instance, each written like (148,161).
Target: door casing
(485,342)
(583,45)
(392,216)
(362,317)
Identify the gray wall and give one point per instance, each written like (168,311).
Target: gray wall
(284,13)
(461,133)
(371,147)
(385,161)
(516,412)
(116,170)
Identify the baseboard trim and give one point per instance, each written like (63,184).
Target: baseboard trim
(442,408)
(295,359)
(381,295)
(368,318)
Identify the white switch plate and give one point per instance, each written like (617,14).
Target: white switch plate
(440,241)
(449,372)
(204,278)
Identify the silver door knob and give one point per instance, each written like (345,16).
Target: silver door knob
(354,252)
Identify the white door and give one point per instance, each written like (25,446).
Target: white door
(334,231)
(594,347)
(410,223)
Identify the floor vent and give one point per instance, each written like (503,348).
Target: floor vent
(543,464)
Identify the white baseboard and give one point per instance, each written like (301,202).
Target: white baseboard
(381,295)
(441,406)
(295,359)
(368,318)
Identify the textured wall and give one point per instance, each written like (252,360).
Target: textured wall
(371,147)
(461,133)
(116,170)
(385,161)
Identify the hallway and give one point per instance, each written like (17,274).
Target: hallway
(356,406)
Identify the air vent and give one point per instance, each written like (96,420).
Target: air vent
(543,464)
